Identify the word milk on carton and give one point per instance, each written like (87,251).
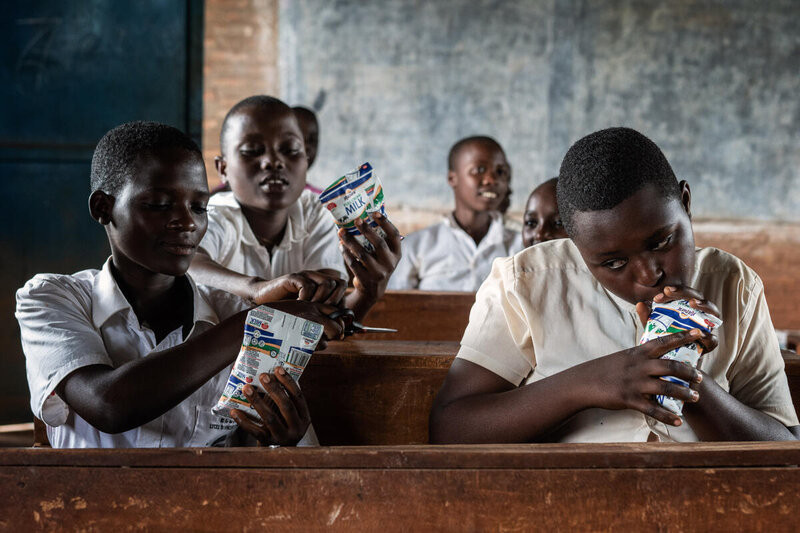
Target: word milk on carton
(355,195)
(674,317)
(272,338)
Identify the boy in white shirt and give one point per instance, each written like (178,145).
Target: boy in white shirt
(532,364)
(268,238)
(136,354)
(457,253)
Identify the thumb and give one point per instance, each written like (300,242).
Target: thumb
(643,310)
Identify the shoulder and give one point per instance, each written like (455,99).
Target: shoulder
(559,255)
(223,303)
(715,267)
(45,286)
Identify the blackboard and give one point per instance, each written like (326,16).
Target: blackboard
(713,83)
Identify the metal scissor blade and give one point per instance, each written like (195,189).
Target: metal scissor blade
(369,329)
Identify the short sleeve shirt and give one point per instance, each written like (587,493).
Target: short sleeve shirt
(443,257)
(542,312)
(310,241)
(72,321)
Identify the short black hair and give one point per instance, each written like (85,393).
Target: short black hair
(457,147)
(117,151)
(258,100)
(606,167)
(305,112)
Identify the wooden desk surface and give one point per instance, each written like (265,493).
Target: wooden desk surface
(634,487)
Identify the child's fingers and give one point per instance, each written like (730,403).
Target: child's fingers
(295,394)
(643,311)
(393,237)
(382,252)
(653,410)
(269,418)
(659,346)
(328,289)
(276,391)
(670,367)
(358,269)
(695,298)
(357,251)
(261,433)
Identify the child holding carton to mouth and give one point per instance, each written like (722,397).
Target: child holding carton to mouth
(532,364)
(269,239)
(457,253)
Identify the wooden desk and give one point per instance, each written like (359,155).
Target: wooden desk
(421,315)
(619,487)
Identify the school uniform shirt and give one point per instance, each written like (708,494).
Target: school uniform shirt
(542,312)
(310,241)
(443,257)
(72,321)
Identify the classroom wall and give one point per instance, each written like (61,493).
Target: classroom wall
(713,83)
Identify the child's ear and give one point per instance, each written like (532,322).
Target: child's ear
(452,178)
(222,168)
(100,207)
(686,197)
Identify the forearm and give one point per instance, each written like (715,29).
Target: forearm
(718,416)
(360,303)
(520,414)
(208,272)
(123,398)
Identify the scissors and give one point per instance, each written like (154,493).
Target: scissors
(351,326)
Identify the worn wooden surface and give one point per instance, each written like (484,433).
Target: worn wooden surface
(421,315)
(375,392)
(635,487)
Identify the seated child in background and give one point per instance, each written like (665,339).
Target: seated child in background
(532,364)
(136,354)
(309,125)
(542,221)
(457,253)
(268,239)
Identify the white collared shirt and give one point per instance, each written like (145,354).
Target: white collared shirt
(542,312)
(69,322)
(310,241)
(443,257)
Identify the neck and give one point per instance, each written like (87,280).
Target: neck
(160,302)
(474,223)
(268,225)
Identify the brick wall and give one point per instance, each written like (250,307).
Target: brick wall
(240,58)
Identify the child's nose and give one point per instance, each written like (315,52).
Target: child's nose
(183,220)
(648,272)
(271,160)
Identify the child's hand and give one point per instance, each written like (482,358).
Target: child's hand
(372,270)
(695,299)
(630,378)
(283,410)
(309,285)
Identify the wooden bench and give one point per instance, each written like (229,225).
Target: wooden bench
(568,487)
(421,315)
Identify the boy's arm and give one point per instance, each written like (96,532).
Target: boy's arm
(372,271)
(310,285)
(115,400)
(477,406)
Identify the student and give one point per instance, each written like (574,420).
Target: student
(457,253)
(268,234)
(532,364)
(136,354)
(309,126)
(542,221)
